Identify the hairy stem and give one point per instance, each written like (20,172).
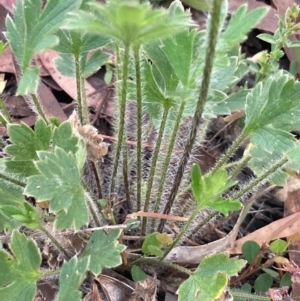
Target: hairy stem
(248,296)
(12,180)
(153,165)
(38,106)
(239,167)
(260,179)
(139,125)
(92,210)
(85,108)
(231,150)
(122,107)
(54,241)
(125,172)
(96,172)
(168,157)
(163,263)
(78,88)
(209,59)
(5,112)
(182,231)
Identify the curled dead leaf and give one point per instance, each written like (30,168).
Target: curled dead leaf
(95,147)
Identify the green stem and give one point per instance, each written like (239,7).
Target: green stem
(248,296)
(239,167)
(231,150)
(139,125)
(93,212)
(79,89)
(84,102)
(12,180)
(122,107)
(168,157)
(54,241)
(260,179)
(125,172)
(204,222)
(38,107)
(96,172)
(163,263)
(182,231)
(209,59)
(3,121)
(153,165)
(5,111)
(50,273)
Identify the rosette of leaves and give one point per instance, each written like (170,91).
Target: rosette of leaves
(130,24)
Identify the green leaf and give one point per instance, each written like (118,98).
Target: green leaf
(250,250)
(267,38)
(197,182)
(272,110)
(10,195)
(130,22)
(271,272)
(75,46)
(151,244)
(65,64)
(225,205)
(210,278)
(26,142)
(72,274)
(25,214)
(64,138)
(30,31)
(24,147)
(241,22)
(278,246)
(94,63)
(138,274)
(19,272)
(59,181)
(209,187)
(286,280)
(104,250)
(29,82)
(179,51)
(262,283)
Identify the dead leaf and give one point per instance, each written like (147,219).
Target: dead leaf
(145,290)
(8,4)
(68,84)
(288,226)
(114,289)
(291,205)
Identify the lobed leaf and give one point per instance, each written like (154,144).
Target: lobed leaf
(103,250)
(30,31)
(206,189)
(59,181)
(71,275)
(210,278)
(19,272)
(241,22)
(131,22)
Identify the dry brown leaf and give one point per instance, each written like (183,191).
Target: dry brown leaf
(68,84)
(95,147)
(144,290)
(280,228)
(114,289)
(8,4)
